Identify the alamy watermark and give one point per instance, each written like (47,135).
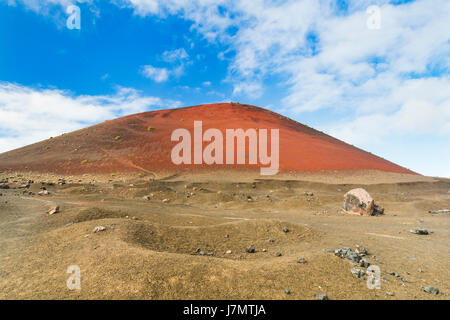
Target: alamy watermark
(374,20)
(74,280)
(74,19)
(374,275)
(213,152)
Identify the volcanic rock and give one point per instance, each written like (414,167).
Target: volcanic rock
(53,210)
(98,229)
(421,231)
(359,202)
(432,290)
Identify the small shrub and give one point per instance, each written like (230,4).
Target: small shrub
(150,128)
(84,161)
(117,138)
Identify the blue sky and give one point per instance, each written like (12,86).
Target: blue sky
(384,89)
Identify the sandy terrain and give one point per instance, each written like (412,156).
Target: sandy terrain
(149,248)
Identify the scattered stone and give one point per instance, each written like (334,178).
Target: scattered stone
(250,249)
(328,250)
(348,254)
(98,229)
(271,239)
(146,197)
(447,211)
(264,250)
(359,202)
(361,250)
(390,293)
(43,193)
(432,290)
(287,291)
(165,200)
(278,254)
(301,260)
(228,252)
(364,263)
(321,296)
(285,230)
(358,273)
(309,194)
(53,210)
(420,231)
(4,186)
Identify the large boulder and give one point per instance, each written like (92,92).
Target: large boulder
(358,201)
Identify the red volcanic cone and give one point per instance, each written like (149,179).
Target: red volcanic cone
(142,143)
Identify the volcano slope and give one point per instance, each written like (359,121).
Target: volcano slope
(142,143)
(177,233)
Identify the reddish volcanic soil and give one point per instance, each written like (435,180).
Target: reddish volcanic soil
(96,149)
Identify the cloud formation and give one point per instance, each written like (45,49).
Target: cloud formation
(36,114)
(156,74)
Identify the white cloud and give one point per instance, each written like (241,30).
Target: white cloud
(36,114)
(156,74)
(177,58)
(424,109)
(252,89)
(176,55)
